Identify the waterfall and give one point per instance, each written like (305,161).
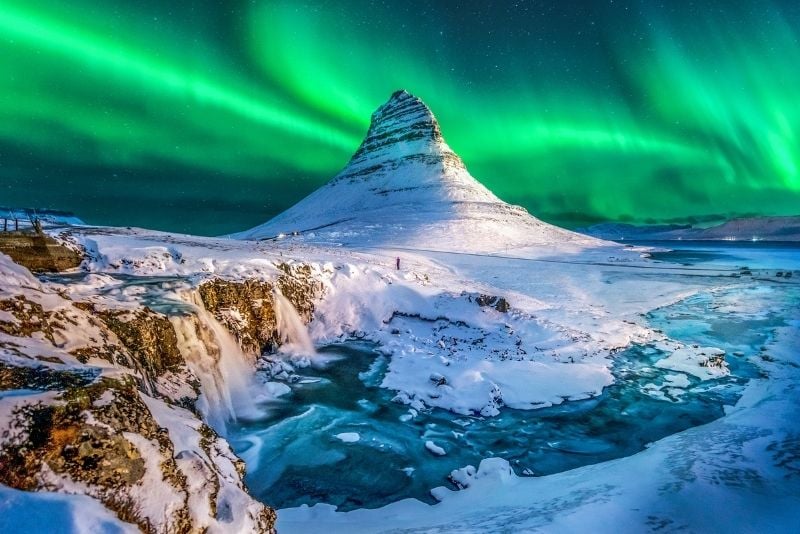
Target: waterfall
(215,357)
(225,372)
(291,329)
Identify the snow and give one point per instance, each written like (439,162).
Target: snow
(695,361)
(678,381)
(196,465)
(434,448)
(580,307)
(276,389)
(417,192)
(348,437)
(22,511)
(105,399)
(732,475)
(554,344)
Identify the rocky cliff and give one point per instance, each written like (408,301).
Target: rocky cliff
(39,252)
(247,308)
(105,402)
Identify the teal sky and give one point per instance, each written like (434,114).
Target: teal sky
(209,117)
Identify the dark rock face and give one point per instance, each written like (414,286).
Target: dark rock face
(99,433)
(148,339)
(148,336)
(402,120)
(92,451)
(39,253)
(297,284)
(252,302)
(499,303)
(31,318)
(44,378)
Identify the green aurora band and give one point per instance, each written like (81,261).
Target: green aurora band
(210,119)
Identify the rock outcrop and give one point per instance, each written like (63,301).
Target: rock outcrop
(108,404)
(247,308)
(149,339)
(105,441)
(39,252)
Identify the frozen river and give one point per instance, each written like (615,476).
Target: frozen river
(338,438)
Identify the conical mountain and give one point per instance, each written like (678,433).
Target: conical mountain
(405,187)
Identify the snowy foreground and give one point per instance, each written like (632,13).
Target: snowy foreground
(570,310)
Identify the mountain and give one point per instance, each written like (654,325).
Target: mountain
(744,229)
(405,186)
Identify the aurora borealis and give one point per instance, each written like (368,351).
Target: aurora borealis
(212,117)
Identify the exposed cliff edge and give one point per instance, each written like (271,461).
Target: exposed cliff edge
(102,399)
(247,308)
(40,252)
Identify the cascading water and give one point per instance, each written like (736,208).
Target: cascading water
(293,332)
(215,357)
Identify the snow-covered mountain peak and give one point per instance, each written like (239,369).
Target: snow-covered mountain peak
(405,122)
(403,135)
(404,114)
(405,186)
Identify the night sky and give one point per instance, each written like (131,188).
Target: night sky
(210,117)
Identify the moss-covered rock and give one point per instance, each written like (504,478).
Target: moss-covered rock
(42,377)
(247,308)
(82,438)
(148,336)
(29,318)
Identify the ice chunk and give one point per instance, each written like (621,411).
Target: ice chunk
(434,448)
(349,437)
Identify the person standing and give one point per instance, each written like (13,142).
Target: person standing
(398,263)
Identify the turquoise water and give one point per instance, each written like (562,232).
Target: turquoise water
(294,457)
(755,255)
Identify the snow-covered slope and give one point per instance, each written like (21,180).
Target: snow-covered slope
(405,186)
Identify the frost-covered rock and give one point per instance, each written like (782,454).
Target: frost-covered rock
(99,399)
(703,362)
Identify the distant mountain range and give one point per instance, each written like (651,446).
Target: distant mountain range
(744,229)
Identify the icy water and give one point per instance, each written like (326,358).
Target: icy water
(753,254)
(294,456)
